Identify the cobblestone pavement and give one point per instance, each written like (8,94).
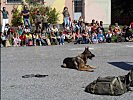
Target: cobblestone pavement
(61,84)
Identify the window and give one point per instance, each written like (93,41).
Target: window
(13,1)
(77,5)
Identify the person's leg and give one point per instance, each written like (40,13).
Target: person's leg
(84,40)
(109,40)
(40,43)
(22,42)
(3,25)
(43,26)
(37,25)
(65,21)
(4,43)
(6,21)
(46,25)
(27,41)
(77,41)
(15,42)
(44,43)
(34,41)
(68,22)
(56,34)
(24,22)
(19,42)
(87,41)
(62,41)
(28,21)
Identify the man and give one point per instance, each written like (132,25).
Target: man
(25,14)
(5,18)
(45,21)
(38,20)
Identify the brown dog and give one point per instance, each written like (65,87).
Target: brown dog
(79,62)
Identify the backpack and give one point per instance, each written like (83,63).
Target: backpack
(107,86)
(130,77)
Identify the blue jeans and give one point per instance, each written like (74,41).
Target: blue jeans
(61,41)
(66,21)
(85,40)
(79,40)
(41,41)
(28,21)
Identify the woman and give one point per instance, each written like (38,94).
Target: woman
(5,18)
(66,16)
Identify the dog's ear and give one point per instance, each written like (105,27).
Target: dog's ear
(87,48)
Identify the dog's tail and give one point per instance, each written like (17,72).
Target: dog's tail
(64,65)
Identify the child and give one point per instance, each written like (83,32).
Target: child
(62,37)
(55,30)
(85,37)
(29,39)
(35,37)
(94,38)
(48,31)
(117,29)
(108,36)
(19,30)
(23,39)
(100,37)
(3,40)
(27,29)
(53,38)
(69,36)
(88,28)
(78,37)
(16,40)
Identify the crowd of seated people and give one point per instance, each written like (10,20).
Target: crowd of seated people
(77,32)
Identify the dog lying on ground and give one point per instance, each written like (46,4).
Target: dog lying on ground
(79,62)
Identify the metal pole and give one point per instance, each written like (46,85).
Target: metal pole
(0,17)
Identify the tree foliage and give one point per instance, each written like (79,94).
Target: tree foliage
(122,11)
(16,17)
(122,7)
(34,6)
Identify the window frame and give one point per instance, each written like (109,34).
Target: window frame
(13,2)
(78,6)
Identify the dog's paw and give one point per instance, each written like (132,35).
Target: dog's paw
(93,67)
(90,70)
(63,66)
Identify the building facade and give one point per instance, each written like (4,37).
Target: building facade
(99,10)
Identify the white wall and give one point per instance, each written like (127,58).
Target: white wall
(99,10)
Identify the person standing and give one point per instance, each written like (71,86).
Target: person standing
(38,20)
(26,14)
(45,21)
(5,18)
(66,16)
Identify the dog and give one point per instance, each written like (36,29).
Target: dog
(79,62)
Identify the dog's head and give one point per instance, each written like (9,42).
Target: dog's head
(87,53)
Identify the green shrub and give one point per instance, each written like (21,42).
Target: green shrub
(51,12)
(53,16)
(114,38)
(16,18)
(38,5)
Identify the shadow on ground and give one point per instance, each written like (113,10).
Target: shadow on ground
(122,65)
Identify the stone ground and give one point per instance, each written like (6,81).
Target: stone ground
(61,83)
